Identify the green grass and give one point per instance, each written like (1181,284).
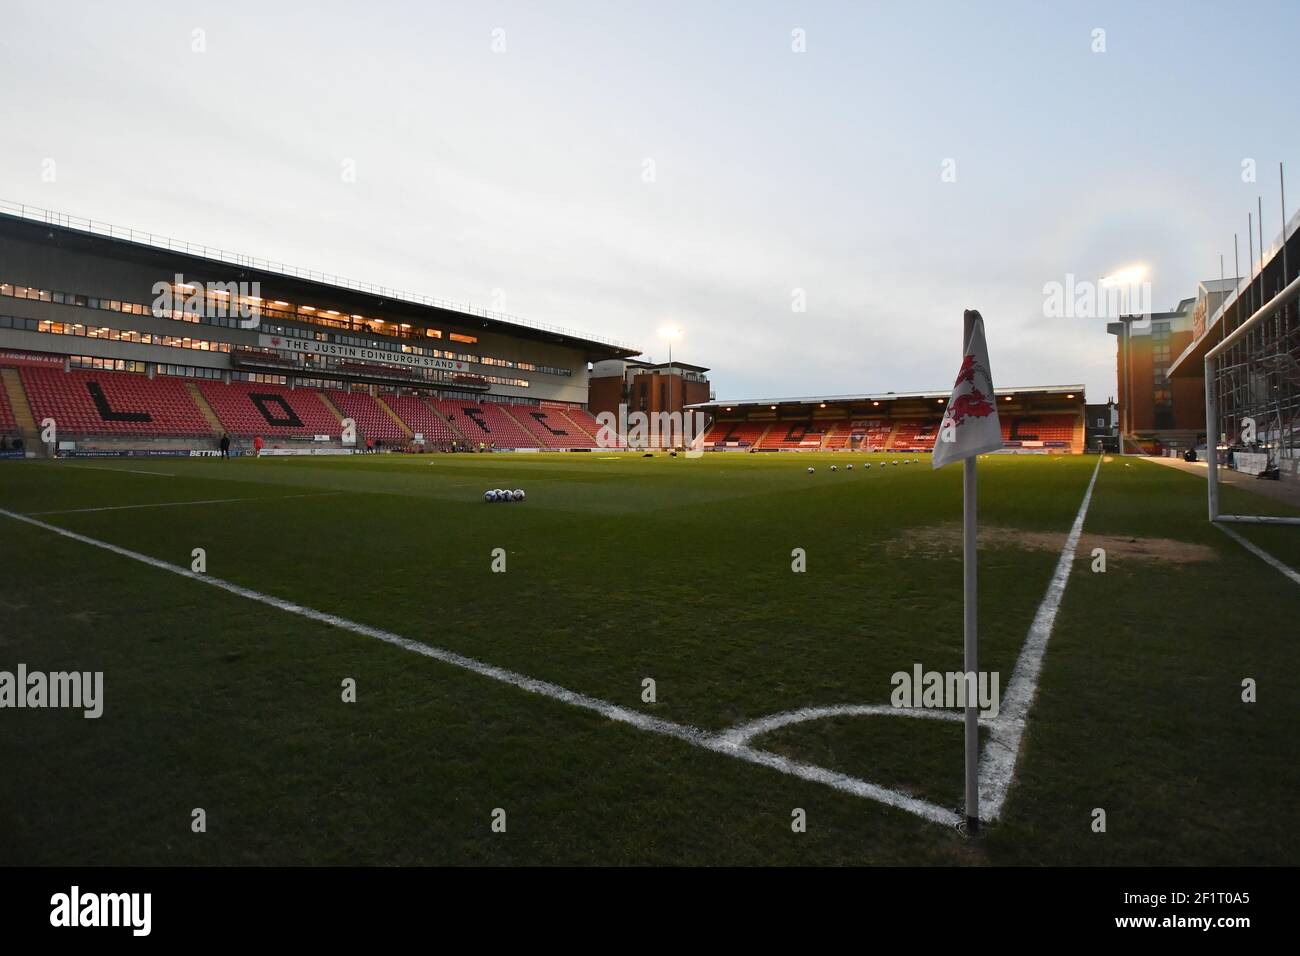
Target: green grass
(622,568)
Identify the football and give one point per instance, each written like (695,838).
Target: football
(811,469)
(517,494)
(834,468)
(489,495)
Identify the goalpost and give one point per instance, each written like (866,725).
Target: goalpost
(1253,378)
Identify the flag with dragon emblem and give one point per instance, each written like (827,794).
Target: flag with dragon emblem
(970,424)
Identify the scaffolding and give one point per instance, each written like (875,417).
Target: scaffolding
(1252,383)
(1257,381)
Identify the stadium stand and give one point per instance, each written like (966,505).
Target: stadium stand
(584,421)
(372,421)
(794,435)
(743,433)
(875,436)
(253,408)
(8,424)
(836,435)
(870,436)
(112,403)
(914,436)
(1053,430)
(550,427)
(485,422)
(421,418)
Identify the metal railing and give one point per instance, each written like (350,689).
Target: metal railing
(99,228)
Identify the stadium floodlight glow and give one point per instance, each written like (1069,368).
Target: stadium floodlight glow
(278,302)
(669,333)
(307,308)
(1128,276)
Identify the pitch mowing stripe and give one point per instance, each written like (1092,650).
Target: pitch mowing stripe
(129,471)
(1260,553)
(177,504)
(717,743)
(1001,752)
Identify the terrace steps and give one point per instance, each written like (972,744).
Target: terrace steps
(334,409)
(438,413)
(22,410)
(205,409)
(406,429)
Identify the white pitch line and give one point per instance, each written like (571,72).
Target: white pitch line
(666,728)
(998,762)
(1260,553)
(177,504)
(742,733)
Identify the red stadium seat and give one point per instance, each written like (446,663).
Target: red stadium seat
(805,434)
(551,427)
(915,436)
(251,408)
(8,425)
(1050,429)
(85,402)
(743,433)
(486,423)
(421,418)
(372,421)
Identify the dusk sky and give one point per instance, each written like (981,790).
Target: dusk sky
(614,168)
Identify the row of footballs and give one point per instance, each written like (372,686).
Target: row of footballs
(503,494)
(849,467)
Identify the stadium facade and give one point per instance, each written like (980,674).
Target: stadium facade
(208,342)
(1157,411)
(651,388)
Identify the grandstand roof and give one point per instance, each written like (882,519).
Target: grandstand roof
(94,233)
(887,396)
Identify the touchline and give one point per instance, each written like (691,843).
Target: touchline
(83,690)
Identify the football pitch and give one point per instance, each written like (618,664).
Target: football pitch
(647,661)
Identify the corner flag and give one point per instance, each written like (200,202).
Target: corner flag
(970,427)
(970,424)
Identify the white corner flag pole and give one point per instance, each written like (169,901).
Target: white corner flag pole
(970,616)
(970,428)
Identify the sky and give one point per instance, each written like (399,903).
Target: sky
(811,191)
